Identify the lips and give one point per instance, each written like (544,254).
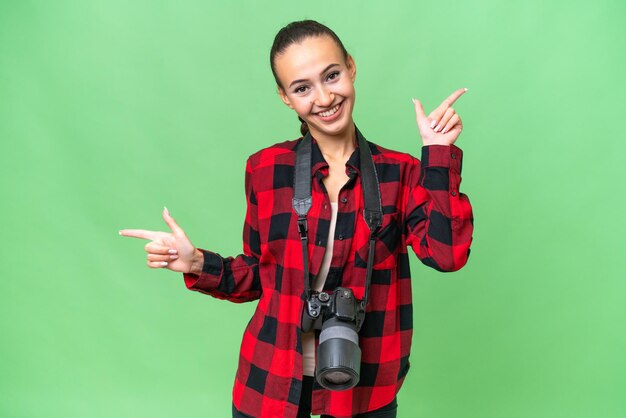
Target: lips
(334,115)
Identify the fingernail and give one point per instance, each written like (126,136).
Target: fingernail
(437,128)
(164,263)
(119,232)
(433,123)
(172,251)
(166,211)
(413,101)
(444,131)
(465,88)
(173,257)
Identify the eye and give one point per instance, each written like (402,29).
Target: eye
(299,89)
(336,74)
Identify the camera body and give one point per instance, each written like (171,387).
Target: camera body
(339,315)
(341,304)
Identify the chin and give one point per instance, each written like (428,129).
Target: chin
(334,131)
(339,127)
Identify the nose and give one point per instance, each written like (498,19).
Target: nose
(324,98)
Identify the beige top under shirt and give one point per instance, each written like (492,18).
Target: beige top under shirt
(308,338)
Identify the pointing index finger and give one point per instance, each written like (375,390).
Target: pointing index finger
(452,98)
(139,233)
(441,109)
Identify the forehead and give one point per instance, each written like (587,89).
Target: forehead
(307,58)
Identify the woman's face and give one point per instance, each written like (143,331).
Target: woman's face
(316,80)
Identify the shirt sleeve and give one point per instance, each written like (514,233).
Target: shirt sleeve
(233,278)
(438,218)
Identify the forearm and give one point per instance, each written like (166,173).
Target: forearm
(233,278)
(440,219)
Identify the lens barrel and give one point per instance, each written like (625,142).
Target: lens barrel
(338,355)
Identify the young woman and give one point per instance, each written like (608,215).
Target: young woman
(422,208)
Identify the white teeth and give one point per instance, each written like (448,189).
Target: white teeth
(329,112)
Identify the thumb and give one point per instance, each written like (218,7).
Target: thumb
(177,230)
(419,109)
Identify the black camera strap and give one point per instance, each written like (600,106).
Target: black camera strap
(302,201)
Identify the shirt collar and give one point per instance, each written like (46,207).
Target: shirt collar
(318,162)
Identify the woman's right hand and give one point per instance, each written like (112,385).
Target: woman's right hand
(173,251)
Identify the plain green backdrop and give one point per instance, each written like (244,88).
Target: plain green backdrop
(110,110)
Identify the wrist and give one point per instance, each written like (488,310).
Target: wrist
(445,144)
(197,262)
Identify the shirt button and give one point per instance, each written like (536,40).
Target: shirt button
(319,242)
(453,156)
(340,237)
(325,206)
(344,200)
(453,193)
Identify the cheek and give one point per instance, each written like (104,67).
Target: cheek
(302,108)
(347,90)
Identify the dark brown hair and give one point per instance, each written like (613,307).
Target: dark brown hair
(296,32)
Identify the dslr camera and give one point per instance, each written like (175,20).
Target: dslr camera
(339,316)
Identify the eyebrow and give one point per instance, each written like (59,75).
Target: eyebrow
(304,79)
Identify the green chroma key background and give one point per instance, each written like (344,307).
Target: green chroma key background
(111,110)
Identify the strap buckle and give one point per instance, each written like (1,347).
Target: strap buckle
(303,227)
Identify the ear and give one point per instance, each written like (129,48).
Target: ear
(283,96)
(351,67)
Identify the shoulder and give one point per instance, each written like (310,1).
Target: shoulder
(395,160)
(276,154)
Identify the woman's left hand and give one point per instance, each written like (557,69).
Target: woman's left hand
(443,126)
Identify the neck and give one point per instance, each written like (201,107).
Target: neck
(337,147)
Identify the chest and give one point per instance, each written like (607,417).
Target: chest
(335,180)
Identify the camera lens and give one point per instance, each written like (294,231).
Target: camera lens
(338,355)
(337,378)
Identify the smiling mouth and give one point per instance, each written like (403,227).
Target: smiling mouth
(331,111)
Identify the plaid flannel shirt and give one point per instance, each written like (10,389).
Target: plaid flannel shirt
(422,208)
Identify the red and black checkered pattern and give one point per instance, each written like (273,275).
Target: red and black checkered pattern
(422,208)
